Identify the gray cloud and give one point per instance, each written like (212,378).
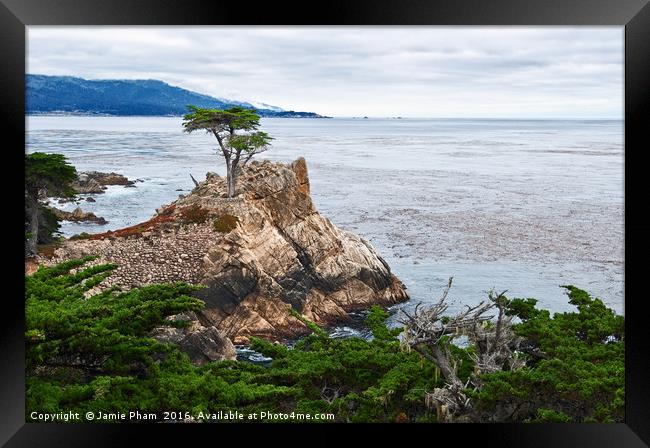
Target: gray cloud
(351,71)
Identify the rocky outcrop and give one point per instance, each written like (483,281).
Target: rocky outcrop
(94,182)
(259,254)
(78,215)
(202,344)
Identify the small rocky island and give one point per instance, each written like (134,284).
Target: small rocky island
(88,183)
(259,255)
(95,182)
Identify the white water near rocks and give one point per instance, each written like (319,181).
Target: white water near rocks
(525,206)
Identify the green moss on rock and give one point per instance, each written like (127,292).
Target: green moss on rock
(194,214)
(225,223)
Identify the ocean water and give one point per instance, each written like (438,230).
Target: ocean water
(517,205)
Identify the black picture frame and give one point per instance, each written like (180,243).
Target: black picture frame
(15,15)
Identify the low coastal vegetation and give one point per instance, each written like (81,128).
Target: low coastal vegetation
(194,214)
(91,351)
(225,223)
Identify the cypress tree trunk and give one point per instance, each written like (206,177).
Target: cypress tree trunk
(231,182)
(232,176)
(229,175)
(33,225)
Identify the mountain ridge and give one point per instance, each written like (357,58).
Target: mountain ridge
(46,94)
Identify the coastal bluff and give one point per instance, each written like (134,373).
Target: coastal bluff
(262,256)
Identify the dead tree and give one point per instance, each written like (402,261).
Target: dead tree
(496,344)
(430,332)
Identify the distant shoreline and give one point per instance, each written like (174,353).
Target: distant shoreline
(66,94)
(102,115)
(91,114)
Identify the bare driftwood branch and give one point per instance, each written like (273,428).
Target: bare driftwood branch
(253,153)
(196,183)
(430,333)
(329,394)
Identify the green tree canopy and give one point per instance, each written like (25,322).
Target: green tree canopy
(218,121)
(50,172)
(236,132)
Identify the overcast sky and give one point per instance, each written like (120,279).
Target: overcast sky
(495,72)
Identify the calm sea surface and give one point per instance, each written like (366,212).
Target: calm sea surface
(523,206)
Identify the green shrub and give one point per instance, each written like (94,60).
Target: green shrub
(81,236)
(574,370)
(355,379)
(194,214)
(575,367)
(550,416)
(225,223)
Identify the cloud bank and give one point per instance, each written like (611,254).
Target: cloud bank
(433,71)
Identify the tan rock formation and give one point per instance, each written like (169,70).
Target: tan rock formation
(258,254)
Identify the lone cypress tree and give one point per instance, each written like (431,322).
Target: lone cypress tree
(236,132)
(52,173)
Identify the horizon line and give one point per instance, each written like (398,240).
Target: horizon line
(354,117)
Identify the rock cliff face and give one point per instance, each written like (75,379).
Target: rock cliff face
(259,254)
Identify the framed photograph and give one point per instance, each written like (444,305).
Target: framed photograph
(398,214)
